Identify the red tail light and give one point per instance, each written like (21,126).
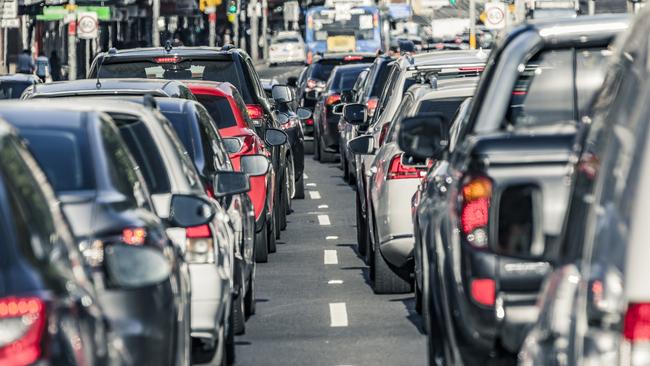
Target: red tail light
(310,57)
(209,190)
(352,58)
(471,69)
(397,170)
(22,320)
(333,98)
(255,111)
(636,326)
(383,133)
(166,60)
(476,196)
(134,236)
(309,122)
(483,291)
(372,105)
(200,247)
(196,232)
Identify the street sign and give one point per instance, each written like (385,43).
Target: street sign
(9,9)
(87,25)
(10,23)
(495,15)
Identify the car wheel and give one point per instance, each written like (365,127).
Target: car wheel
(203,351)
(325,156)
(389,280)
(239,320)
(316,147)
(249,300)
(300,188)
(418,297)
(362,245)
(309,147)
(346,170)
(262,244)
(230,340)
(271,235)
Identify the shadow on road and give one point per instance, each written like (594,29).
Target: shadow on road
(413,316)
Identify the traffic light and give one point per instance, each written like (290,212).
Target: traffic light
(452,2)
(232,7)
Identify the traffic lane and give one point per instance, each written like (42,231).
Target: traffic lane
(300,297)
(280,72)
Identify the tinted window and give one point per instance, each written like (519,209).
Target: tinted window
(447,107)
(12,89)
(286,40)
(145,152)
(189,172)
(219,109)
(64,154)
(380,79)
(323,69)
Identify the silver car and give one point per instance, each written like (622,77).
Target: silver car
(287,47)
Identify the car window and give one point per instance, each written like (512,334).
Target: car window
(446,106)
(12,89)
(457,123)
(286,40)
(242,108)
(403,112)
(219,109)
(121,168)
(209,132)
(380,79)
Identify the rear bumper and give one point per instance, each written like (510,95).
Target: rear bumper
(209,299)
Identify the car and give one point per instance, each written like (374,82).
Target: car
(396,177)
(326,131)
(109,208)
(225,64)
(287,47)
(48,303)
(227,109)
(12,86)
(520,128)
(352,96)
(85,87)
(599,272)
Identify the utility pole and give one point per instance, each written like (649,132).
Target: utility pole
(472,24)
(72,40)
(253,8)
(592,7)
(155,15)
(265,20)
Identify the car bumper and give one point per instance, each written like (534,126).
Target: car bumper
(208,301)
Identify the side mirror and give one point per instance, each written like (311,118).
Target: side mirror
(338,109)
(254,165)
(515,222)
(362,145)
(303,113)
(230,183)
(189,210)
(275,137)
(282,118)
(347,96)
(135,266)
(282,94)
(355,113)
(424,136)
(292,81)
(312,95)
(232,145)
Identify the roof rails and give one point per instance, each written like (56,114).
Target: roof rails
(447,68)
(432,73)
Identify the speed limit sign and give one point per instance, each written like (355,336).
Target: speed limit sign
(495,15)
(87,25)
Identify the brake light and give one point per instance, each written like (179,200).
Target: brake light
(200,247)
(372,105)
(22,325)
(255,111)
(375,20)
(310,57)
(309,122)
(483,291)
(471,69)
(397,170)
(352,58)
(332,98)
(166,60)
(476,196)
(383,133)
(134,236)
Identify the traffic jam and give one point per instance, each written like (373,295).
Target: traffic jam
(344,195)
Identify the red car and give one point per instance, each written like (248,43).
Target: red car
(227,108)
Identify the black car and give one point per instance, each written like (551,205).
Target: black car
(201,63)
(48,305)
(12,86)
(85,87)
(326,123)
(520,128)
(124,243)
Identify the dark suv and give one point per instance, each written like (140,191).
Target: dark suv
(201,63)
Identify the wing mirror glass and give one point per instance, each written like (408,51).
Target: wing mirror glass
(303,113)
(232,145)
(362,145)
(188,210)
(135,266)
(282,94)
(355,113)
(254,165)
(424,136)
(275,137)
(230,183)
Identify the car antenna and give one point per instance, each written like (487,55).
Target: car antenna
(111,51)
(149,101)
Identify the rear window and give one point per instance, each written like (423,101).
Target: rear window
(286,40)
(323,69)
(12,89)
(447,107)
(344,80)
(213,70)
(64,154)
(219,109)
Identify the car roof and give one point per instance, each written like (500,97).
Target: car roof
(20,77)
(350,67)
(343,55)
(116,86)
(580,30)
(445,88)
(161,51)
(42,112)
(444,58)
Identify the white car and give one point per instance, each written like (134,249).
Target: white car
(287,47)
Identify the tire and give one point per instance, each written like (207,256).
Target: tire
(309,147)
(418,298)
(238,315)
(200,353)
(272,237)
(230,341)
(362,242)
(262,244)
(300,188)
(324,156)
(346,169)
(388,280)
(249,300)
(316,144)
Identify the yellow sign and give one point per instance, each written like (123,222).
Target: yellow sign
(341,44)
(207,4)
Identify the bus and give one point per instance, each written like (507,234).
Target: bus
(343,27)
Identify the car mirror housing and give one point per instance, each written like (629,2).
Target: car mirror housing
(355,113)
(230,183)
(424,136)
(189,210)
(362,145)
(282,94)
(303,113)
(275,137)
(282,118)
(254,165)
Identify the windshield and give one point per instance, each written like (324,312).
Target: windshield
(12,89)
(344,80)
(332,22)
(286,40)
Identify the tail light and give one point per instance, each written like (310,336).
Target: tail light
(310,57)
(372,105)
(291,123)
(476,195)
(483,291)
(309,122)
(200,247)
(166,60)
(636,330)
(397,170)
(352,58)
(134,236)
(383,133)
(22,325)
(332,98)
(255,112)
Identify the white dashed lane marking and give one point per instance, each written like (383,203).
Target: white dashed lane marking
(338,314)
(323,206)
(324,220)
(335,282)
(330,257)
(331,237)
(315,195)
(310,184)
